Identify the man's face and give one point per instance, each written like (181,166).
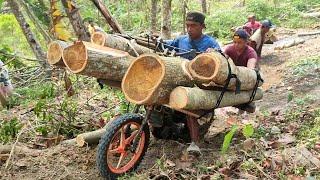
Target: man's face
(252,20)
(265,29)
(194,29)
(239,43)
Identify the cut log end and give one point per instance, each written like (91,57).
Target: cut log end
(75,57)
(80,141)
(180,97)
(204,66)
(55,52)
(142,78)
(98,38)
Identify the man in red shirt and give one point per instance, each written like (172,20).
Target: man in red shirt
(240,52)
(242,55)
(252,25)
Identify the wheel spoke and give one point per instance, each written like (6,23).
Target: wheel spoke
(114,151)
(131,137)
(123,155)
(122,137)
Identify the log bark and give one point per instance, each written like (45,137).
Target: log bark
(110,20)
(75,19)
(195,98)
(120,43)
(150,79)
(90,138)
(96,61)
(55,51)
(213,68)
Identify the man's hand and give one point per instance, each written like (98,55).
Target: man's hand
(209,50)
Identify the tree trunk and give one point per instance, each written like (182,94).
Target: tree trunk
(120,43)
(184,14)
(204,6)
(33,43)
(154,16)
(166,19)
(76,20)
(35,21)
(55,51)
(195,98)
(150,79)
(213,68)
(96,61)
(90,138)
(110,20)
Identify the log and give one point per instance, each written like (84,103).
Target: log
(117,42)
(96,61)
(311,15)
(290,43)
(213,67)
(150,79)
(309,34)
(55,51)
(90,138)
(195,98)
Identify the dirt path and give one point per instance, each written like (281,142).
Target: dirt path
(69,162)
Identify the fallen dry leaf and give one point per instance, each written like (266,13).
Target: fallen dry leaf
(248,144)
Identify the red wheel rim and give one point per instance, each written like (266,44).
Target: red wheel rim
(119,157)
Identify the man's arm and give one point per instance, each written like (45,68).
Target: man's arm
(252,63)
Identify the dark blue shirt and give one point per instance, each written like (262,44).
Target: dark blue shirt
(184,43)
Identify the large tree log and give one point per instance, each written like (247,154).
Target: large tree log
(89,138)
(150,79)
(55,51)
(195,98)
(117,42)
(96,61)
(213,67)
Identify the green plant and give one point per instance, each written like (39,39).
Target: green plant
(290,96)
(227,139)
(248,130)
(9,129)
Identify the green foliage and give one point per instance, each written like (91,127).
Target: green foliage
(40,11)
(305,66)
(7,59)
(12,36)
(9,129)
(248,130)
(310,130)
(227,139)
(1,2)
(35,92)
(290,96)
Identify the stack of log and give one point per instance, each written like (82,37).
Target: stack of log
(149,79)
(152,79)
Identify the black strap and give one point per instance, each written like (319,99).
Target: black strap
(254,91)
(225,88)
